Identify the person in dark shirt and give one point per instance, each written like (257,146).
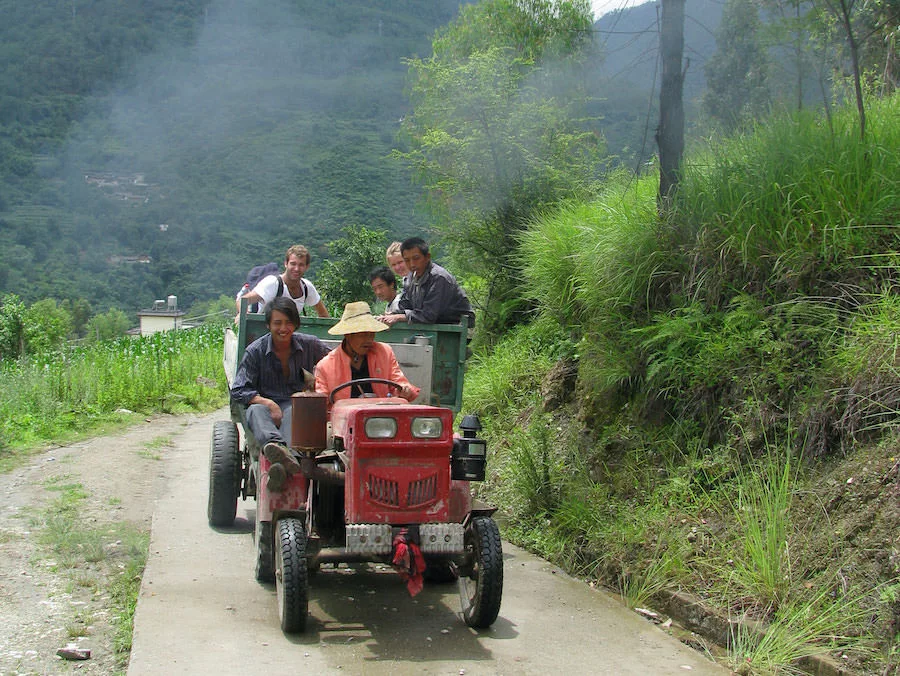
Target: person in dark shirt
(431,295)
(272,369)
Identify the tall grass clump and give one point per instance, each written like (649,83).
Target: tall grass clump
(865,369)
(49,396)
(585,263)
(508,376)
(798,207)
(761,507)
(814,626)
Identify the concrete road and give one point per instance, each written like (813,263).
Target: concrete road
(201,611)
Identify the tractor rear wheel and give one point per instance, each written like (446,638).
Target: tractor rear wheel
(481,589)
(224,474)
(291,585)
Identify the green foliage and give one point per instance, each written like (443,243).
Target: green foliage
(51,396)
(812,626)
(344,275)
(238,168)
(532,471)
(46,327)
(610,248)
(219,312)
(12,331)
(764,309)
(736,75)
(111,324)
(496,133)
(795,206)
(760,506)
(508,376)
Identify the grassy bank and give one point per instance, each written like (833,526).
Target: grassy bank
(55,397)
(712,402)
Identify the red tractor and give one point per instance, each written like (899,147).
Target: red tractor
(389,483)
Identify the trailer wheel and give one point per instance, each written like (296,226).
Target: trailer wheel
(265,557)
(291,586)
(481,589)
(224,474)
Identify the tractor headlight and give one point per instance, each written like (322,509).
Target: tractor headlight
(381,428)
(427,428)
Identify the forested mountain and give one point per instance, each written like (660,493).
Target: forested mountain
(164,147)
(159,147)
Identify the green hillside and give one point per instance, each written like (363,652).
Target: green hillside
(197,137)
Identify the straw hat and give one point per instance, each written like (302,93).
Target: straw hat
(357,318)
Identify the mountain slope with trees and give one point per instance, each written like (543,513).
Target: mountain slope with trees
(167,147)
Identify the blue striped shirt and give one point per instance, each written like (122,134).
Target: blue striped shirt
(260,369)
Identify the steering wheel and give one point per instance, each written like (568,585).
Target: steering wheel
(364,381)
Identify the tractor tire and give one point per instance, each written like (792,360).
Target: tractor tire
(265,557)
(224,474)
(480,592)
(291,584)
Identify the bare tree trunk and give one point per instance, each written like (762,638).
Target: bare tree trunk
(670,135)
(846,7)
(798,44)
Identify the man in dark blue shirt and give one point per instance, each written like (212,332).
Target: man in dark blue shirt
(272,369)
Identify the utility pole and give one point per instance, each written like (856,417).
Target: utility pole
(670,134)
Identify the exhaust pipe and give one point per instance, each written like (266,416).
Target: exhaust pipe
(324,473)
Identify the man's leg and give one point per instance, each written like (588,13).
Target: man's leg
(260,422)
(272,441)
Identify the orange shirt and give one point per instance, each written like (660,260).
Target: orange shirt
(334,369)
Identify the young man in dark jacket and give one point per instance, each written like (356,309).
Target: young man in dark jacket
(432,295)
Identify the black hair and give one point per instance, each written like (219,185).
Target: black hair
(286,306)
(414,243)
(384,273)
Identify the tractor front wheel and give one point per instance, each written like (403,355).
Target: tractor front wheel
(265,557)
(291,585)
(481,587)
(224,474)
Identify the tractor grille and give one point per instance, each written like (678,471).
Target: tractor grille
(418,493)
(383,491)
(422,492)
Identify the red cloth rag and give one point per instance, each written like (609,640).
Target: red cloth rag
(409,562)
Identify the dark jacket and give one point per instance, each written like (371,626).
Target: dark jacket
(435,298)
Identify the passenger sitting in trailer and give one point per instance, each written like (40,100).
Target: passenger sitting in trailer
(360,358)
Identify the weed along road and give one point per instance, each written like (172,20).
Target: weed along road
(201,611)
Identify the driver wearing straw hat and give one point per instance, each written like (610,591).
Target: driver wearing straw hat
(360,356)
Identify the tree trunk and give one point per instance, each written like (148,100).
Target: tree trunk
(846,8)
(670,135)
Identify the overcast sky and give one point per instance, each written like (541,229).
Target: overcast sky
(601,7)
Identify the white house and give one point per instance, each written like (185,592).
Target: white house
(163,316)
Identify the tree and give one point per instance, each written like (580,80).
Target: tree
(344,276)
(670,135)
(736,75)
(497,131)
(12,323)
(112,324)
(80,311)
(46,326)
